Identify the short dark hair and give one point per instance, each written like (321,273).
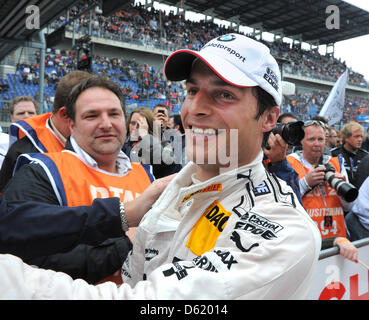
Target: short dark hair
(93,82)
(286,115)
(65,86)
(161,105)
(265,101)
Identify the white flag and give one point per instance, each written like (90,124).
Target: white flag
(334,105)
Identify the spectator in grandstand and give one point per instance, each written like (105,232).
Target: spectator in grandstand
(350,151)
(151,85)
(22,107)
(43,133)
(312,108)
(319,199)
(4,87)
(332,140)
(365,144)
(139,25)
(207,231)
(142,145)
(92,166)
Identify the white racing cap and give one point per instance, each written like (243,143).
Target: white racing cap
(235,58)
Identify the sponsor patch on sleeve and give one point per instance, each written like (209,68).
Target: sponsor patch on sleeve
(261,189)
(208,228)
(258,225)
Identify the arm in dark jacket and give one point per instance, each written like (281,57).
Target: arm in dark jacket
(84,242)
(95,263)
(32,229)
(30,183)
(284,171)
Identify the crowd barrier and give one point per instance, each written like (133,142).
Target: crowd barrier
(337,278)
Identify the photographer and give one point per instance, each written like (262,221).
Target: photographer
(319,198)
(285,118)
(287,134)
(277,163)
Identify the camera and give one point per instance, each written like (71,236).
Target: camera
(344,189)
(291,132)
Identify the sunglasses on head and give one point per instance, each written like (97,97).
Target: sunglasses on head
(314,122)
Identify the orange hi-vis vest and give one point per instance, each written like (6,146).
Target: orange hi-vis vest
(76,183)
(322,202)
(38,132)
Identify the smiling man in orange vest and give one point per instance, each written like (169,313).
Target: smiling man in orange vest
(92,166)
(319,199)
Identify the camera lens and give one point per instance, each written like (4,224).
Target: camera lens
(347,191)
(344,189)
(291,132)
(294,133)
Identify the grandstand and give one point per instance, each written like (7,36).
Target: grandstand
(131,44)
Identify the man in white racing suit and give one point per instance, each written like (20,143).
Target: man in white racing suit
(224,228)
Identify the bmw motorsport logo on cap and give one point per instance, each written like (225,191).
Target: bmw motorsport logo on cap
(227,37)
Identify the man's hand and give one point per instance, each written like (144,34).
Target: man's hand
(138,207)
(278,148)
(339,176)
(315,176)
(161,118)
(141,130)
(347,249)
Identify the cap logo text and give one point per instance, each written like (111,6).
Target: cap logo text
(272,78)
(231,51)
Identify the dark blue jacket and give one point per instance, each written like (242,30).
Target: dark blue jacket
(33,229)
(284,171)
